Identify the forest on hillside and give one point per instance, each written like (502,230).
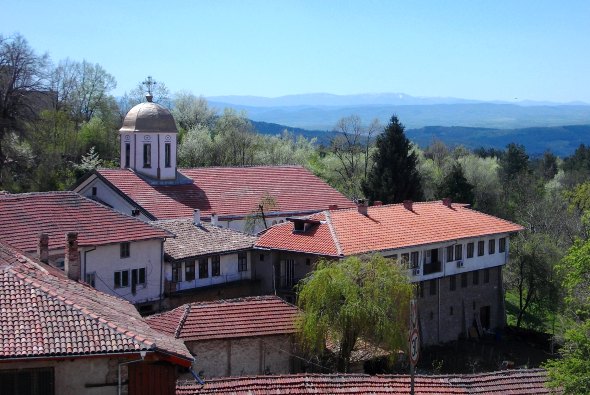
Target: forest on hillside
(60,120)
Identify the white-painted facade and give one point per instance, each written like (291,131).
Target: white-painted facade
(150,154)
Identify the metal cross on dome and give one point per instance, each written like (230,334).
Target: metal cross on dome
(149,83)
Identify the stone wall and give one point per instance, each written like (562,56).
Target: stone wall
(246,356)
(447,314)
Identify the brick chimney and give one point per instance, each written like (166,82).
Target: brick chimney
(72,257)
(43,248)
(214,219)
(448,202)
(408,205)
(333,207)
(362,207)
(377,203)
(197,217)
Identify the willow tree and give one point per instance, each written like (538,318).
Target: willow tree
(344,301)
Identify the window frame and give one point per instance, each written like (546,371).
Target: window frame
(216,266)
(242,261)
(125,249)
(167,155)
(121,278)
(127,155)
(491,246)
(450,253)
(502,245)
(481,248)
(414,259)
(147,155)
(189,271)
(458,252)
(203,268)
(470,250)
(176,272)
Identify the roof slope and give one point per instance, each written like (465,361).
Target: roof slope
(516,382)
(228,319)
(204,239)
(45,314)
(229,191)
(387,227)
(24,216)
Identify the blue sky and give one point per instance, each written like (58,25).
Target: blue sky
(536,50)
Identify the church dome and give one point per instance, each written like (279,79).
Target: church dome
(149,117)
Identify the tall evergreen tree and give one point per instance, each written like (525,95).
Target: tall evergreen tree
(456,186)
(394,176)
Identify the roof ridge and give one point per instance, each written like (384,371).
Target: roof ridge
(187,309)
(333,232)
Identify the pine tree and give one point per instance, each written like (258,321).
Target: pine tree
(456,186)
(394,176)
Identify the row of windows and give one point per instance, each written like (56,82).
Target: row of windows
(455,252)
(125,278)
(147,155)
(464,279)
(202,265)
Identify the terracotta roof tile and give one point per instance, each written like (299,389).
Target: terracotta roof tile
(205,239)
(45,314)
(229,191)
(385,228)
(225,319)
(24,216)
(515,382)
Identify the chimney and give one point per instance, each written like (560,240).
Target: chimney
(72,257)
(333,207)
(408,205)
(361,206)
(214,219)
(43,248)
(377,203)
(447,202)
(197,217)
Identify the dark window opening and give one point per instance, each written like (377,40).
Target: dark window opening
(502,245)
(492,247)
(453,283)
(121,279)
(93,191)
(486,275)
(39,381)
(127,155)
(458,252)
(167,155)
(432,287)
(215,266)
(242,262)
(125,250)
(261,257)
(176,267)
(450,251)
(480,248)
(203,268)
(476,277)
(147,156)
(470,249)
(464,280)
(189,271)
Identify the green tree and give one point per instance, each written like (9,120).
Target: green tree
(355,298)
(572,371)
(394,176)
(514,162)
(456,186)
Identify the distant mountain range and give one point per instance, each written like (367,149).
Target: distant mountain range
(561,140)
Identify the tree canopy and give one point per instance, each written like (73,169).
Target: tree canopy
(344,301)
(394,176)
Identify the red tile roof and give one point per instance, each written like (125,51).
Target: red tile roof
(229,191)
(515,382)
(226,319)
(45,314)
(24,216)
(347,232)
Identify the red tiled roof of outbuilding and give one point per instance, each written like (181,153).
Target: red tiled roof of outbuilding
(387,227)
(228,319)
(229,191)
(515,382)
(45,314)
(24,216)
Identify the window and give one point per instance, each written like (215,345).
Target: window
(137,278)
(127,154)
(464,280)
(492,247)
(480,248)
(486,275)
(216,266)
(470,249)
(167,155)
(93,191)
(39,381)
(405,260)
(91,279)
(476,277)
(176,272)
(242,262)
(189,271)
(261,257)
(307,262)
(122,278)
(414,259)
(125,250)
(432,287)
(147,155)
(450,251)
(502,245)
(453,283)
(459,252)
(203,268)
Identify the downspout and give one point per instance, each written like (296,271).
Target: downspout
(85,262)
